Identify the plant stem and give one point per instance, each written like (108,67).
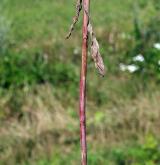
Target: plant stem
(82,103)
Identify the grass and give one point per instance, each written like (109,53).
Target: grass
(40,140)
(38,100)
(34,23)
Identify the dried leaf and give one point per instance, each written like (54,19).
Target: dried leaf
(75,19)
(94,43)
(95,53)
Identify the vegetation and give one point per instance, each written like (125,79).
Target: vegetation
(39,84)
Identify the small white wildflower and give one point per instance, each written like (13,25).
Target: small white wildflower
(132,68)
(123,67)
(159,62)
(157,46)
(76,51)
(139,58)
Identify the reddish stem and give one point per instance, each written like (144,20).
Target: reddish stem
(82,103)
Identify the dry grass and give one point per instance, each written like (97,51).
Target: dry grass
(42,125)
(45,125)
(126,121)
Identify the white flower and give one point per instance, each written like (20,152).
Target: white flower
(157,46)
(123,67)
(159,62)
(132,68)
(139,58)
(76,51)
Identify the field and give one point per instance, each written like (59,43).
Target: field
(39,83)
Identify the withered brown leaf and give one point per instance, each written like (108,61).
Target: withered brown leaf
(95,52)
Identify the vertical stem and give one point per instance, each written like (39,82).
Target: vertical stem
(82,103)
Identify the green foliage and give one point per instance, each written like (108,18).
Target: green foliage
(151,65)
(19,70)
(146,154)
(146,45)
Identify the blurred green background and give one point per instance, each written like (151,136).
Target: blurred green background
(39,83)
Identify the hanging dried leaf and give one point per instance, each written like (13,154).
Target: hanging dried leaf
(75,19)
(94,43)
(95,53)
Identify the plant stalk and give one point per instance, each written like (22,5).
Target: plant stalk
(82,101)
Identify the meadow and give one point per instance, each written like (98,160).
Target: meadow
(39,83)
